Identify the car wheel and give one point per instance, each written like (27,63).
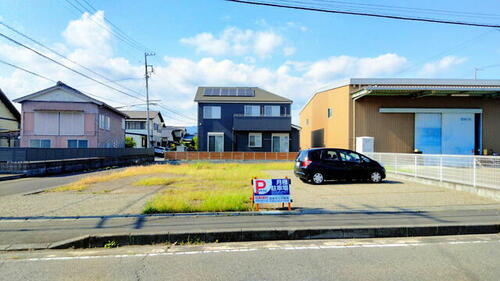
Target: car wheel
(375,177)
(318,178)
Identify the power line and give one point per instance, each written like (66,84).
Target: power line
(46,78)
(66,58)
(444,52)
(175,112)
(409,9)
(407,18)
(117,28)
(117,35)
(28,71)
(67,67)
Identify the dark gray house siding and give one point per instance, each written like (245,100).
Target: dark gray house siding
(236,127)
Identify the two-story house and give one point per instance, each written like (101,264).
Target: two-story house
(244,119)
(136,127)
(10,119)
(63,117)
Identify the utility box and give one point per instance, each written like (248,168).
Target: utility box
(365,144)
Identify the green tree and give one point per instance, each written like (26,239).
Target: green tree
(129,142)
(195,141)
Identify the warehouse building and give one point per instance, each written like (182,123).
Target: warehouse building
(434,116)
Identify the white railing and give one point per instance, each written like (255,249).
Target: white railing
(463,169)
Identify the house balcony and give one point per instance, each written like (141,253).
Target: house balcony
(243,122)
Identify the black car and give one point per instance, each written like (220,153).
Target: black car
(320,164)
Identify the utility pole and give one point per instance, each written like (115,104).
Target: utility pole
(148,69)
(476,69)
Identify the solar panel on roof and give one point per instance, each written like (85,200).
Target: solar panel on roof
(229,92)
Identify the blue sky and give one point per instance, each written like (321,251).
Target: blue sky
(216,43)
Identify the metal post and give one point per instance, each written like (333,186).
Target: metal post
(474,175)
(415,166)
(440,168)
(396,163)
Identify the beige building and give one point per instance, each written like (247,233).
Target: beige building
(10,119)
(435,116)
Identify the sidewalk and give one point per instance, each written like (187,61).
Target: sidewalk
(66,232)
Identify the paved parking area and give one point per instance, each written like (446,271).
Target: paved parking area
(390,195)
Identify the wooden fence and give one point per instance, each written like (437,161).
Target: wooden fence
(198,155)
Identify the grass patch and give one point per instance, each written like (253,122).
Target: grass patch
(197,187)
(211,187)
(155,181)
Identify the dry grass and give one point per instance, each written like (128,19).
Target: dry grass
(209,187)
(194,187)
(156,181)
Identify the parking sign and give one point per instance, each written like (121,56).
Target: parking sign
(271,191)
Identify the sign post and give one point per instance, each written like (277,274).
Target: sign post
(266,191)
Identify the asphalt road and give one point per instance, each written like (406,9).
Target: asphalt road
(30,184)
(53,229)
(438,258)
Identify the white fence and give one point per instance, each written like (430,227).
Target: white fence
(462,169)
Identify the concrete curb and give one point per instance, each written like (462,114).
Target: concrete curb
(124,239)
(11,177)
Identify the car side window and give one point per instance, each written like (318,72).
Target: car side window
(330,155)
(350,156)
(365,159)
(314,155)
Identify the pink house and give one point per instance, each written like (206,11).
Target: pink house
(63,117)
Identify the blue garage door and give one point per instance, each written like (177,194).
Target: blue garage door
(458,133)
(428,132)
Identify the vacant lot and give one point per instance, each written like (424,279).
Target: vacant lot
(209,187)
(195,187)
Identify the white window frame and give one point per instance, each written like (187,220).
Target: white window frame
(273,110)
(40,143)
(257,144)
(248,110)
(214,134)
(212,107)
(77,142)
(101,121)
(107,122)
(329,112)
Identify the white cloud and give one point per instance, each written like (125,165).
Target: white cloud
(236,42)
(345,66)
(176,78)
(435,67)
(89,33)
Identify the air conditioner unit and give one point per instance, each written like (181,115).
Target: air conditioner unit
(365,144)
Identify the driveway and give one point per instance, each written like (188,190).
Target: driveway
(390,195)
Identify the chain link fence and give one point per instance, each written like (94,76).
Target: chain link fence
(463,169)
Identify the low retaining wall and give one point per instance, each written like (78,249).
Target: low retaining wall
(53,167)
(479,190)
(241,156)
